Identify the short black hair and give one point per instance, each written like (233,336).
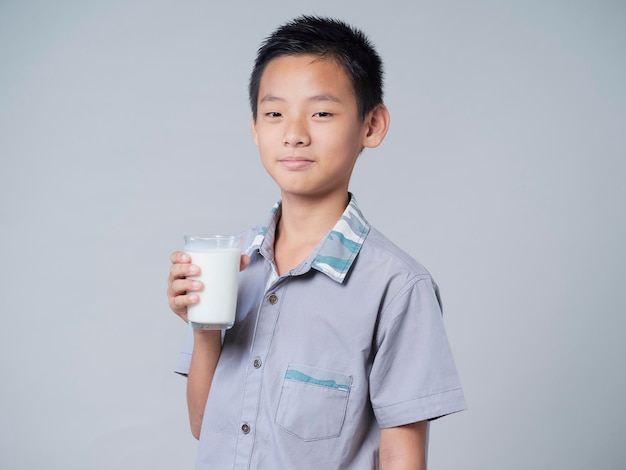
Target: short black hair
(326,38)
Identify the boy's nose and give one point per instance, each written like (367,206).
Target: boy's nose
(296,135)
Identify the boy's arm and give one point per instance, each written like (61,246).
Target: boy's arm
(404,447)
(207,346)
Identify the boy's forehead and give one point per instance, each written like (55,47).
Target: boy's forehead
(307,59)
(333,74)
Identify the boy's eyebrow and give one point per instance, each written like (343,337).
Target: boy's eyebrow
(320,97)
(324,97)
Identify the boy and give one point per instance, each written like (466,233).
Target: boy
(338,357)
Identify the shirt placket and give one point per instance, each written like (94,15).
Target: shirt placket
(266,323)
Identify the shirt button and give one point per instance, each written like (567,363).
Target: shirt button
(257,363)
(273,298)
(245,428)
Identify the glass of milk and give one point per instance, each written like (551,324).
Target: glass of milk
(218,257)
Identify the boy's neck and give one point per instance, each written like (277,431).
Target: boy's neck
(310,218)
(303,223)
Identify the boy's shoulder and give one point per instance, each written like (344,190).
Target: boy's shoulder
(378,249)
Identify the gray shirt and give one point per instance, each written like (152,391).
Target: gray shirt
(319,359)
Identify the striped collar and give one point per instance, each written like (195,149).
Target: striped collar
(334,255)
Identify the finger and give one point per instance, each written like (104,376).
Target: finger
(182,286)
(180,270)
(180,257)
(181,302)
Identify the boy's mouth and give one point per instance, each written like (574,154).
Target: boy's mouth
(295,163)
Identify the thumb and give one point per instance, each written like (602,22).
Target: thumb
(244,262)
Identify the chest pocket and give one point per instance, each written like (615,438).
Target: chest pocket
(313,402)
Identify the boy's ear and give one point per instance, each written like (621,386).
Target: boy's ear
(377,124)
(255,137)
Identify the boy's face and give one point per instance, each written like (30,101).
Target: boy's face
(308,127)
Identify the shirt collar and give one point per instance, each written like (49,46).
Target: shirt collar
(334,255)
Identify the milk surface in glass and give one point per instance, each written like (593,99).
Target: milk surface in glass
(218,260)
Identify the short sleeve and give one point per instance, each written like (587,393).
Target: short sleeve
(413,376)
(184,358)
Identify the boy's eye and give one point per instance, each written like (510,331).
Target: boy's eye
(273,114)
(322,114)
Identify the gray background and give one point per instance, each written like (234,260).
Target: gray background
(124,125)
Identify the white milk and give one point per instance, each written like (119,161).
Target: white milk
(219,269)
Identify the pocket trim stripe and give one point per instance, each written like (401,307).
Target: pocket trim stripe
(299,376)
